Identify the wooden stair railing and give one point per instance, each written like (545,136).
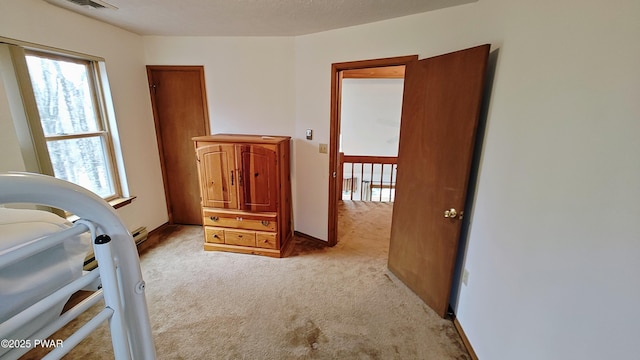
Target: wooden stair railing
(375,172)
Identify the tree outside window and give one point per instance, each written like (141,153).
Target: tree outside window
(72,120)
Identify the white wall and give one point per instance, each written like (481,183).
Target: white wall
(370,116)
(555,274)
(553,237)
(39,22)
(249,81)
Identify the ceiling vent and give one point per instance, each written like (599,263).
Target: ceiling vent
(96,4)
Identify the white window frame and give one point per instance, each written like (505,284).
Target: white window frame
(35,153)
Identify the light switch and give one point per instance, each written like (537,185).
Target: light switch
(309,134)
(323,148)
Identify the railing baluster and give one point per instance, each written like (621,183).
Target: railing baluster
(351,189)
(381,177)
(392,195)
(390,179)
(361,180)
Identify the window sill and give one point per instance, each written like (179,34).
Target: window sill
(120,202)
(115,203)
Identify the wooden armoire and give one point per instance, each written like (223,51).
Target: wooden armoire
(245,188)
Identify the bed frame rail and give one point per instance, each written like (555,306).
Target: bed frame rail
(20,252)
(118,269)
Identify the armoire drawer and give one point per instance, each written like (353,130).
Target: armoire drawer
(213,235)
(238,237)
(266,240)
(241,221)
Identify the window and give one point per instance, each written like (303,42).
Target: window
(71,110)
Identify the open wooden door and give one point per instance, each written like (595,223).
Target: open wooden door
(180,112)
(441,106)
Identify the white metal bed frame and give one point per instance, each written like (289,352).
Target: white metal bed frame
(118,270)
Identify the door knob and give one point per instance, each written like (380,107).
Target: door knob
(451,213)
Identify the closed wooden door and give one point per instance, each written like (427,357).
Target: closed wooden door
(258,178)
(219,182)
(441,105)
(180,111)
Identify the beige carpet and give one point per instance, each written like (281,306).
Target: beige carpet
(319,303)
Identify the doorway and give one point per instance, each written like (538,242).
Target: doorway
(440,111)
(387,67)
(179,103)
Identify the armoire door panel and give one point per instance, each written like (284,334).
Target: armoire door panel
(217,163)
(258,178)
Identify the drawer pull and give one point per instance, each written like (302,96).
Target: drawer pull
(238,218)
(214,218)
(265,222)
(240,236)
(215,236)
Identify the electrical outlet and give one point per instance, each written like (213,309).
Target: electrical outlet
(465,277)
(323,148)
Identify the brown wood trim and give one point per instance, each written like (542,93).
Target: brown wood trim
(340,175)
(363,159)
(465,340)
(387,72)
(337,70)
(336,96)
(288,246)
(311,238)
(156,236)
(374,63)
(176,68)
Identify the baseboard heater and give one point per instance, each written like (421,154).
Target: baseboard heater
(139,236)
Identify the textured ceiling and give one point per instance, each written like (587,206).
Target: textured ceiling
(250,17)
